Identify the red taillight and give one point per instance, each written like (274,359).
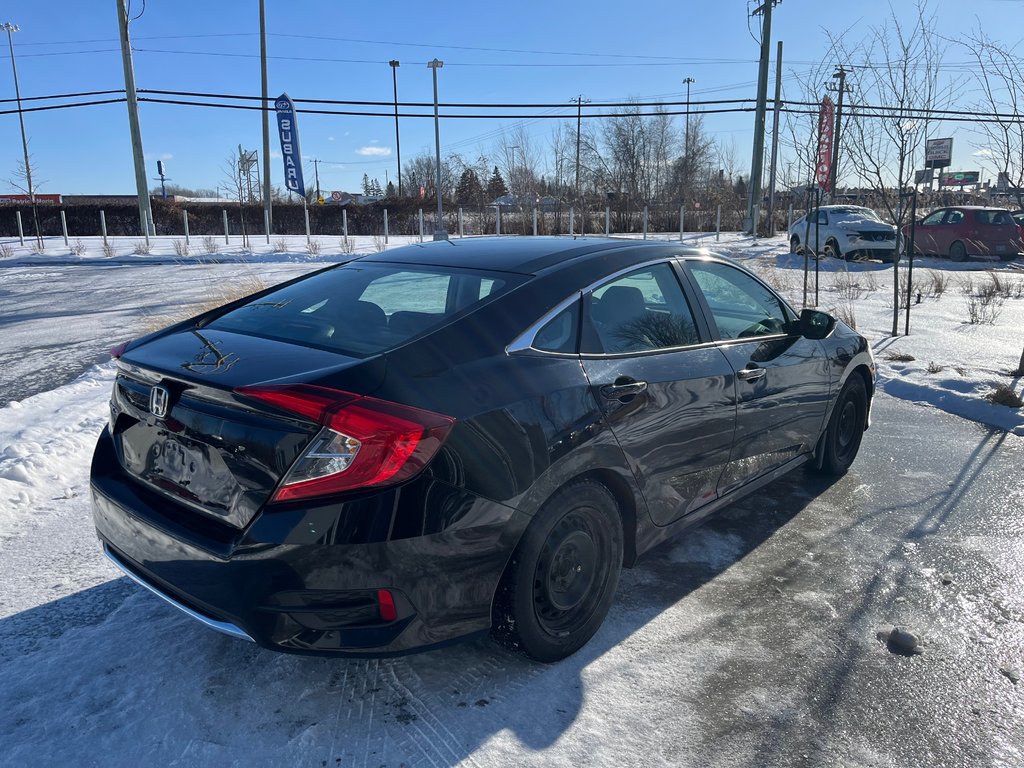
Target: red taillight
(366,442)
(386,602)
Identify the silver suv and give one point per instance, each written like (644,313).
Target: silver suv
(844,232)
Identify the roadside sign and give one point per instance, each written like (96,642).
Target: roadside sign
(924,177)
(938,153)
(826,120)
(290,153)
(959,179)
(336,196)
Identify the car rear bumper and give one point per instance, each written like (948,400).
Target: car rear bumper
(294,589)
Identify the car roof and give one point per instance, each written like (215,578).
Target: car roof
(970,208)
(522,255)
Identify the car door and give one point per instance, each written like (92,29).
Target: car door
(667,393)
(954,228)
(783,380)
(926,233)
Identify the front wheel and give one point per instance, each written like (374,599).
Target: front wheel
(845,429)
(957,251)
(832,249)
(562,578)
(794,245)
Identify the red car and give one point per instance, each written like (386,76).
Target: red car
(967,230)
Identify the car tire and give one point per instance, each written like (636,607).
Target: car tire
(559,584)
(842,438)
(794,245)
(832,249)
(957,251)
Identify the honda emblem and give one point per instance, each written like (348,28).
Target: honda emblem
(159,399)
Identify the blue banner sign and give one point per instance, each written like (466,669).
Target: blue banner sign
(289,131)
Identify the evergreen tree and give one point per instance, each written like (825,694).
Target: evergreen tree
(390,192)
(469,189)
(367,189)
(496,186)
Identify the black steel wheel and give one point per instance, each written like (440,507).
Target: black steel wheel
(832,249)
(562,579)
(957,251)
(845,429)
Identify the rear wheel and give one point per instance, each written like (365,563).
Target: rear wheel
(794,245)
(957,251)
(561,581)
(845,429)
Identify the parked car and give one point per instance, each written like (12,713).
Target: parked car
(844,231)
(1018,218)
(442,440)
(967,230)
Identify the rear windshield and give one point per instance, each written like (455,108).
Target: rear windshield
(362,309)
(995,217)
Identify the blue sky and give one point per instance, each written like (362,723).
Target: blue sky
(551,51)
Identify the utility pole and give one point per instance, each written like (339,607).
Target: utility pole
(580,101)
(268,207)
(686,140)
(24,140)
(141,185)
(316,175)
(395,64)
(775,141)
(757,162)
(839,75)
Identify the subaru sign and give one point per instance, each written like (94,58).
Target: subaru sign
(289,132)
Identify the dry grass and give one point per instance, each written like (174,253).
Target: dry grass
(220,293)
(78,248)
(935,368)
(313,247)
(181,248)
(210,244)
(109,250)
(6,251)
(347,246)
(899,357)
(379,244)
(141,248)
(1003,395)
(281,246)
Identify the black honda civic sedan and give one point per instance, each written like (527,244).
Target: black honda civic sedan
(447,439)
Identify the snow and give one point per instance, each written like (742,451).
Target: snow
(98,672)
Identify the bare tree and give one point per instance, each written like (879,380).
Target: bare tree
(1000,80)
(21,182)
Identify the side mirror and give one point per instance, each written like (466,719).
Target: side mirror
(815,324)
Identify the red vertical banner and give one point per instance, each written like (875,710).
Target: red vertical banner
(826,122)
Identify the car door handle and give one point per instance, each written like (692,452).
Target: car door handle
(751,374)
(623,387)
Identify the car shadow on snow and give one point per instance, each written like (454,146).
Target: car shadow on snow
(127,679)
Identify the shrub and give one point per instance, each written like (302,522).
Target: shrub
(1003,395)
(347,246)
(141,248)
(281,246)
(6,251)
(181,248)
(109,250)
(935,368)
(379,244)
(210,244)
(78,248)
(313,247)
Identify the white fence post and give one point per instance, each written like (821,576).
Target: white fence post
(266,225)
(645,222)
(21,229)
(421,224)
(572,220)
(497,219)
(535,221)
(387,228)
(718,224)
(103,226)
(225,212)
(607,220)
(64,226)
(184,215)
(344,224)
(460,221)
(145,226)
(682,222)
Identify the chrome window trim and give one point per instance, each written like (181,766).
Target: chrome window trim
(219,626)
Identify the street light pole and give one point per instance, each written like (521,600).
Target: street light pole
(686,139)
(24,140)
(439,231)
(395,64)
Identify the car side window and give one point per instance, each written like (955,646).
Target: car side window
(740,305)
(954,217)
(560,332)
(933,218)
(823,218)
(641,311)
